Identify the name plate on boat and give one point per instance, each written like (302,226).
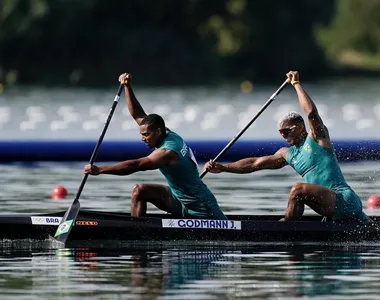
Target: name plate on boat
(201,224)
(38,220)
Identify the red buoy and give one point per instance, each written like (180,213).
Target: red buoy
(59,192)
(373,202)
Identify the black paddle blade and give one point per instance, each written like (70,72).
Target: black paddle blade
(71,214)
(67,222)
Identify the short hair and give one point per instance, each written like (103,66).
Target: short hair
(153,121)
(292,117)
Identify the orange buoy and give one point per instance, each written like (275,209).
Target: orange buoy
(373,202)
(59,192)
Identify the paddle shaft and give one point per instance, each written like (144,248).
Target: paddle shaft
(270,100)
(97,147)
(71,214)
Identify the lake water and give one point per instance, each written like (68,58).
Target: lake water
(174,272)
(180,271)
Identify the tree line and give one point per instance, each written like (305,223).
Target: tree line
(172,42)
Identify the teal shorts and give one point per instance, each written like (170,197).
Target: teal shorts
(197,210)
(349,206)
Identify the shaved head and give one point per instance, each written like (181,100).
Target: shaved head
(291,117)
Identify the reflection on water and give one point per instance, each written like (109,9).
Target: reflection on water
(193,272)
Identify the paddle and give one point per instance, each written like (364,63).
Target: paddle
(71,214)
(270,100)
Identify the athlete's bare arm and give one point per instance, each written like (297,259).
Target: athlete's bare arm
(157,159)
(250,164)
(134,106)
(318,131)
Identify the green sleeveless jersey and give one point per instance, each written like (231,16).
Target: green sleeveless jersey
(184,180)
(317,165)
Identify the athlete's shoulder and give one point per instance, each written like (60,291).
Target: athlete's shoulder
(172,142)
(283,151)
(322,142)
(164,152)
(173,134)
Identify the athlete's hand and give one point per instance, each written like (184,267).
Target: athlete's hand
(293,77)
(91,169)
(125,79)
(213,167)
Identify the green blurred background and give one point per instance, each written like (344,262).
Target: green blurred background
(185,42)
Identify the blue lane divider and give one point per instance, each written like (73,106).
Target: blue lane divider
(11,151)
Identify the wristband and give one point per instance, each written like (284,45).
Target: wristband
(295,82)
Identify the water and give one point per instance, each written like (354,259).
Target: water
(181,271)
(27,187)
(256,272)
(209,272)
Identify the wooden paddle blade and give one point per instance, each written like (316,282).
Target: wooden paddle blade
(67,222)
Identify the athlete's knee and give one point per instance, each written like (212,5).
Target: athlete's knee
(298,191)
(137,192)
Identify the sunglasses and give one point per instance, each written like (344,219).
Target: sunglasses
(285,131)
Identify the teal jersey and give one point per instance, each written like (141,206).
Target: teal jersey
(184,181)
(317,165)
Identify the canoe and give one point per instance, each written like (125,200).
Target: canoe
(92,226)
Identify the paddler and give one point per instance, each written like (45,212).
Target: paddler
(186,195)
(312,155)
